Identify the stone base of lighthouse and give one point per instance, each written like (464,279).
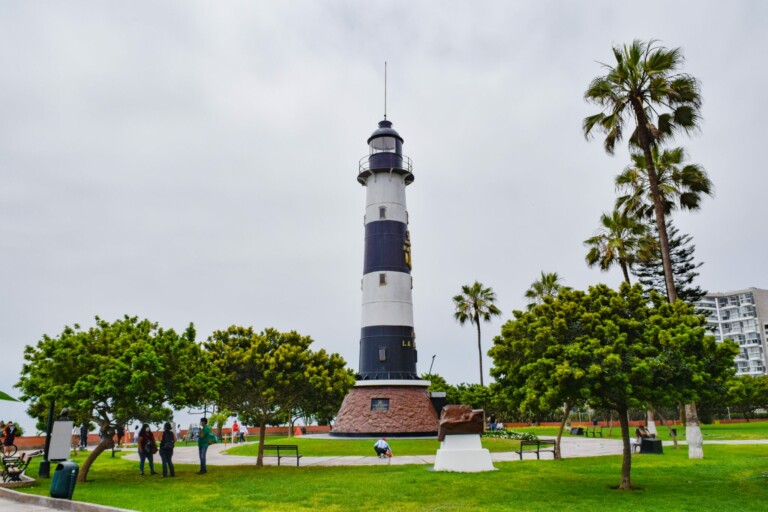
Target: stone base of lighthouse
(388,408)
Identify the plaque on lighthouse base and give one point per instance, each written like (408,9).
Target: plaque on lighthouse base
(391,408)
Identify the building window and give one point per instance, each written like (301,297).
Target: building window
(382,212)
(382,279)
(382,355)
(380,404)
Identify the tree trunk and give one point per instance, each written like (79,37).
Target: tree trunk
(103,445)
(262,436)
(650,422)
(566,412)
(479,348)
(645,142)
(693,433)
(106,443)
(626,462)
(625,271)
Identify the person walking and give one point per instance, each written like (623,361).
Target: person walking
(147,448)
(167,443)
(205,438)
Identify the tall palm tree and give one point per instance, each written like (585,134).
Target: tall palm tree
(548,285)
(476,303)
(680,186)
(646,87)
(616,242)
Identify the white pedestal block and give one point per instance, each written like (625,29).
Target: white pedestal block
(463,454)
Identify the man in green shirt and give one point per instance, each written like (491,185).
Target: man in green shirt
(205,438)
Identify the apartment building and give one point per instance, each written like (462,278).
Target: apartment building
(741,316)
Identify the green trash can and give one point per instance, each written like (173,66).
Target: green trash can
(64,479)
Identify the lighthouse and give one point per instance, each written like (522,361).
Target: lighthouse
(388,398)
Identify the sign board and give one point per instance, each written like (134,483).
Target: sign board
(61,440)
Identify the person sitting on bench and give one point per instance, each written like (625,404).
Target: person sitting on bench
(640,433)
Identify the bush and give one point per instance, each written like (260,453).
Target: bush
(511,434)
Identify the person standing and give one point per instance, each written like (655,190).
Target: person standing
(205,438)
(120,434)
(9,438)
(235,432)
(167,443)
(147,448)
(243,433)
(84,435)
(178,432)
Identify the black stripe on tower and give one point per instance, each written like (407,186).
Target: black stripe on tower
(384,247)
(387,352)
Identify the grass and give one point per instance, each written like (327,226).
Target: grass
(321,447)
(725,431)
(730,477)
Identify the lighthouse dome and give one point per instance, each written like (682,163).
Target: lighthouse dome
(385,130)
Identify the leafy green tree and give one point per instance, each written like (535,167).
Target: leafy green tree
(748,394)
(616,242)
(476,303)
(438,384)
(681,187)
(540,358)
(645,87)
(613,349)
(268,375)
(548,285)
(476,396)
(650,272)
(113,373)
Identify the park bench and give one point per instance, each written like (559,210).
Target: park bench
(14,467)
(594,431)
(282,448)
(538,446)
(576,431)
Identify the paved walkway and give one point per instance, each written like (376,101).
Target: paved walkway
(571,447)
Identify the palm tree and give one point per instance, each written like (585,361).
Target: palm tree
(646,87)
(616,242)
(476,303)
(547,286)
(680,186)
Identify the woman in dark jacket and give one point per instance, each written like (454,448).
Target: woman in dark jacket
(147,448)
(166,449)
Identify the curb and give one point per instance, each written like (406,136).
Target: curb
(56,503)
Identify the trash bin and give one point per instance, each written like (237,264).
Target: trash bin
(64,479)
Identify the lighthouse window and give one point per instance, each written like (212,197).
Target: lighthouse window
(382,355)
(382,279)
(383,145)
(382,212)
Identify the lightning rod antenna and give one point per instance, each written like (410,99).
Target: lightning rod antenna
(385,90)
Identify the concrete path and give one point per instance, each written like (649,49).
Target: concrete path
(571,447)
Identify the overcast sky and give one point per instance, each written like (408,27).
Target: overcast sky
(197,161)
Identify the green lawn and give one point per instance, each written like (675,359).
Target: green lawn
(730,431)
(319,447)
(729,478)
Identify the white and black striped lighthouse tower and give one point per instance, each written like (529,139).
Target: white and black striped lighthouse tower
(389,398)
(387,338)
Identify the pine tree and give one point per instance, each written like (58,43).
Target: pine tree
(650,272)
